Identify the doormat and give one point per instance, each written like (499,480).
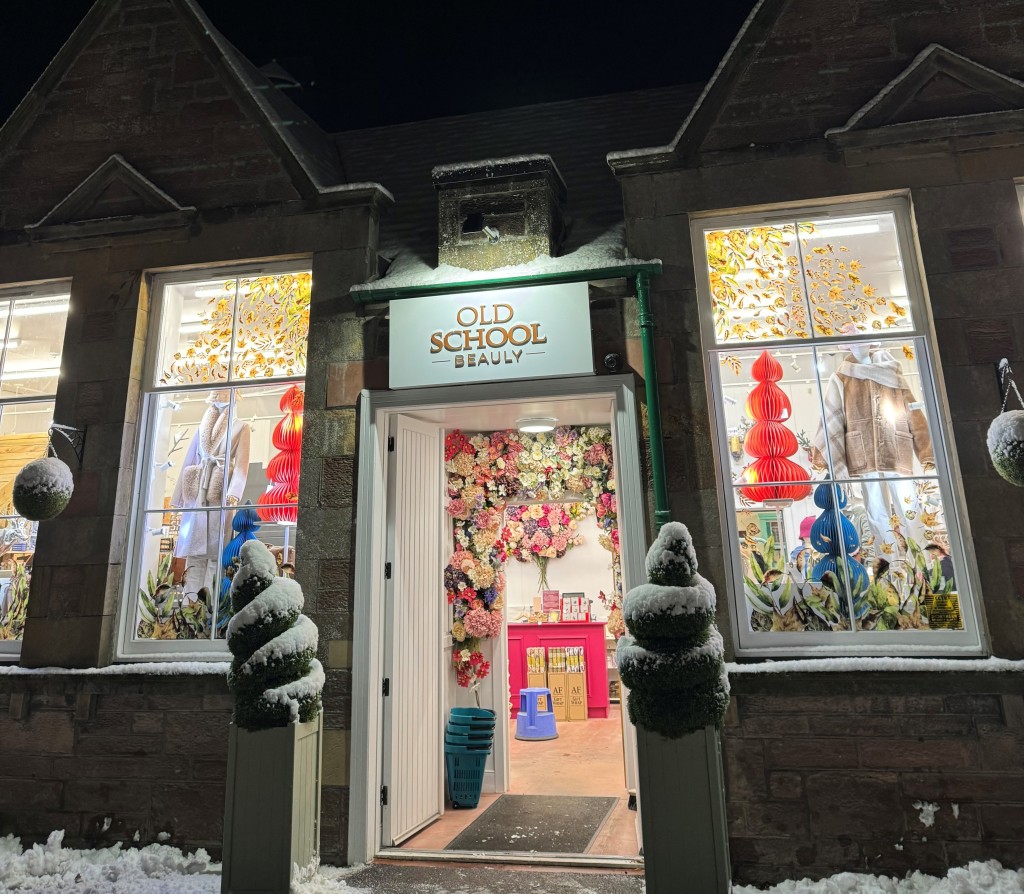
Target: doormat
(550,824)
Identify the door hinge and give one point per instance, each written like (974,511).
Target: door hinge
(387,571)
(383,796)
(391,445)
(385,688)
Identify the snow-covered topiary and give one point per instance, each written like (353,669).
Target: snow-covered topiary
(1006,445)
(274,675)
(673,659)
(42,489)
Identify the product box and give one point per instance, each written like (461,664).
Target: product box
(575,607)
(559,702)
(549,600)
(536,669)
(577,707)
(576,682)
(557,683)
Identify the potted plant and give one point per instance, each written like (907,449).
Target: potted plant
(272,809)
(673,663)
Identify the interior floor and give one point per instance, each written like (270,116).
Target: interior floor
(585,760)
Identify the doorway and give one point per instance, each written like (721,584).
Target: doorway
(406,673)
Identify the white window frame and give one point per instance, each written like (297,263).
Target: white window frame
(969,641)
(10,650)
(128,647)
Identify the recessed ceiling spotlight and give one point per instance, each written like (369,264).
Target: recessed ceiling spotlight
(536,424)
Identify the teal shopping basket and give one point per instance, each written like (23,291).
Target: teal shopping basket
(472,714)
(465,774)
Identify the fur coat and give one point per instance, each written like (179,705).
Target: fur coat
(202,480)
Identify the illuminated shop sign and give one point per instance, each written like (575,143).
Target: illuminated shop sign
(527,333)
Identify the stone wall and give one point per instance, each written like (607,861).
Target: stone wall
(820,779)
(971,239)
(108,756)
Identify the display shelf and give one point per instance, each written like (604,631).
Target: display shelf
(589,634)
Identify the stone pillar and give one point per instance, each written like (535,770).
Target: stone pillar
(77,568)
(325,546)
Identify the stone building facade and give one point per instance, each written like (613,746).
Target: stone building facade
(151,145)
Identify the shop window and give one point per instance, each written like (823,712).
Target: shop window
(32,323)
(219,463)
(841,511)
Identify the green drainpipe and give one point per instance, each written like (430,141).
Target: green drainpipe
(662,514)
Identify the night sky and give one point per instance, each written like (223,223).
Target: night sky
(368,64)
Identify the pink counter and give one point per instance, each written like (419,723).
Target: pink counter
(589,634)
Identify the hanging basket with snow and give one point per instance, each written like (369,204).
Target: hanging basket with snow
(43,489)
(1006,433)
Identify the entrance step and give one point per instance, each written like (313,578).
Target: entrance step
(428,878)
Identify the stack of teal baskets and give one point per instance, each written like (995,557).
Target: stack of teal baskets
(467,742)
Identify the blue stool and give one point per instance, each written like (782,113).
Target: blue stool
(533,722)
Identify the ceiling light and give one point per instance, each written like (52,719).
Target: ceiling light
(42,372)
(39,308)
(536,424)
(830,231)
(215,291)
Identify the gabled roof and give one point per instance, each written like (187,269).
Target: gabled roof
(157,52)
(798,69)
(938,84)
(115,197)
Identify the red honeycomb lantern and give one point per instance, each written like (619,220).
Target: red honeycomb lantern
(280,501)
(769,442)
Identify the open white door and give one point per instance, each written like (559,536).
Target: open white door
(413,761)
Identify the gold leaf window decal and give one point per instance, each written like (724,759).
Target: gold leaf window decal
(795,281)
(252,328)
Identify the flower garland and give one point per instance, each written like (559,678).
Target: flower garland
(485,472)
(607,510)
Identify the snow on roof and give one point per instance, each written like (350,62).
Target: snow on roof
(153,668)
(607,252)
(880,664)
(484,164)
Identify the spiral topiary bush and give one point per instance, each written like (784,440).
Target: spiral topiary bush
(673,658)
(42,489)
(275,677)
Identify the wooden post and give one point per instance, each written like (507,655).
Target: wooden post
(682,813)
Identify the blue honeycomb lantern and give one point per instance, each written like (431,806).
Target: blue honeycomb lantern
(832,534)
(245,524)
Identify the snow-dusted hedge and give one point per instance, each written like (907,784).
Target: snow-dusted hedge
(42,489)
(274,675)
(673,660)
(1006,445)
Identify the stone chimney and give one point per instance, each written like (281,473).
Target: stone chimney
(498,212)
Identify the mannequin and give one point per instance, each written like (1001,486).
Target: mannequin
(202,484)
(874,428)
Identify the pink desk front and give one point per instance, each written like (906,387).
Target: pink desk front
(589,634)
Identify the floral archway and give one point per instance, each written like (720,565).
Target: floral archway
(530,475)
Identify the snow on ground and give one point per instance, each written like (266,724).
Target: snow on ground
(158,869)
(976,878)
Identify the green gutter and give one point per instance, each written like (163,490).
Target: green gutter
(626,271)
(662,513)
